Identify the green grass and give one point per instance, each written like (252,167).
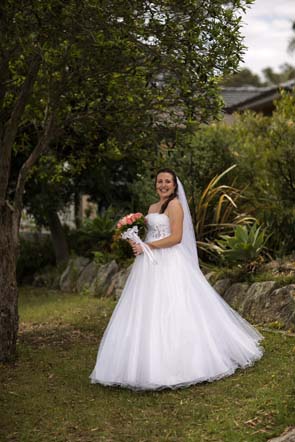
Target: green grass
(46,395)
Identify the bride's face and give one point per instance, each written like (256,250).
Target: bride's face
(165,185)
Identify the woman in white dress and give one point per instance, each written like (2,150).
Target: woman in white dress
(170,328)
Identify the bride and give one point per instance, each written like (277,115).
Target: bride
(170,328)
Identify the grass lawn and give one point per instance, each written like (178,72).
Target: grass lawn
(46,395)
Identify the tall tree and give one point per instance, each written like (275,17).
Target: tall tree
(291,44)
(244,77)
(112,71)
(286,73)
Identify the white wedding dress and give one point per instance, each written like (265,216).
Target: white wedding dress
(170,328)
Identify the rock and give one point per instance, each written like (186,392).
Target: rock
(71,274)
(235,295)
(87,276)
(288,266)
(280,306)
(284,265)
(81,273)
(102,281)
(48,278)
(255,300)
(287,436)
(261,303)
(210,276)
(222,285)
(271,266)
(118,282)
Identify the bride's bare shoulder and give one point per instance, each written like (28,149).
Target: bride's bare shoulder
(175,203)
(153,208)
(174,207)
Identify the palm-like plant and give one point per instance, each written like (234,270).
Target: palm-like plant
(217,211)
(245,245)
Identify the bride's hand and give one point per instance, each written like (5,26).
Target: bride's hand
(137,249)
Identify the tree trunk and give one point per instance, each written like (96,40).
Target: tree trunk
(9,221)
(58,237)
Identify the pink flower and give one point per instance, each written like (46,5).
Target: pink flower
(129,219)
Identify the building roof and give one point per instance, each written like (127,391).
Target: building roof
(252,97)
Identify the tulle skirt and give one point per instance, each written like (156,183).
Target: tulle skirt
(170,329)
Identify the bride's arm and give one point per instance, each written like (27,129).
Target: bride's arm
(175,214)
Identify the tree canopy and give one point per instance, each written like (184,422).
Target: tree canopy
(108,75)
(269,77)
(244,77)
(106,82)
(91,81)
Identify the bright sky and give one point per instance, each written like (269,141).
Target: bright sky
(267,30)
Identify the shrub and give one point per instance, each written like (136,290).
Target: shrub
(246,245)
(93,235)
(264,150)
(34,255)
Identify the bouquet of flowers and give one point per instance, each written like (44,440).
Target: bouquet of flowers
(130,221)
(130,227)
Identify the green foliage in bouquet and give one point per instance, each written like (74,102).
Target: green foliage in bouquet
(120,247)
(121,251)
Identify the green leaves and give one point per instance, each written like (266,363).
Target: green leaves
(247,243)
(88,51)
(119,77)
(217,209)
(264,149)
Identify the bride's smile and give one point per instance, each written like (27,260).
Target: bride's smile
(165,185)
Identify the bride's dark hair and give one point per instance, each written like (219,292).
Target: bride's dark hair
(174,194)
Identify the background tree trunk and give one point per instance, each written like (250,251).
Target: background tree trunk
(58,237)
(8,286)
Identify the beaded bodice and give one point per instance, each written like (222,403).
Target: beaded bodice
(158,226)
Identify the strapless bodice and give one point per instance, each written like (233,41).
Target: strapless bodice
(158,226)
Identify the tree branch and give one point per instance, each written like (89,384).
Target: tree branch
(12,124)
(43,143)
